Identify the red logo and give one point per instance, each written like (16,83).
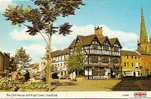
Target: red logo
(140,94)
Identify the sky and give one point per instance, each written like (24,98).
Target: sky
(119,18)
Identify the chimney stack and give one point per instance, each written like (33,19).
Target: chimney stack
(99,32)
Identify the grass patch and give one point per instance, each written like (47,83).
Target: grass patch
(89,85)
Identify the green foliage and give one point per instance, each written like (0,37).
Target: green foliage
(47,71)
(8,84)
(21,57)
(23,74)
(39,18)
(13,64)
(34,86)
(65,29)
(42,15)
(76,61)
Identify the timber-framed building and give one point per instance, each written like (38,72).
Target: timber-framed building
(102,54)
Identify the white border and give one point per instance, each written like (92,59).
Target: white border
(75,95)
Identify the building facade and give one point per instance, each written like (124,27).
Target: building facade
(146,64)
(131,63)
(59,65)
(102,55)
(4,63)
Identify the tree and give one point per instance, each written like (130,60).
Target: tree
(22,58)
(39,18)
(76,60)
(12,64)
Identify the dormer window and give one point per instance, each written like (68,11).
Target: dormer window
(94,42)
(116,48)
(106,46)
(94,46)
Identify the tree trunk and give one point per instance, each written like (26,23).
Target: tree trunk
(49,64)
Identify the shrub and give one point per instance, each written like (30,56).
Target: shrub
(8,84)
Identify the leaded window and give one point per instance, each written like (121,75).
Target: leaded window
(94,59)
(116,48)
(106,46)
(115,60)
(105,60)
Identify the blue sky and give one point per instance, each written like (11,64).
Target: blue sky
(120,18)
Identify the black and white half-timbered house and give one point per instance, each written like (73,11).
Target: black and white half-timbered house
(102,55)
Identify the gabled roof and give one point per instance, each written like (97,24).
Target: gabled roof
(129,53)
(5,54)
(1,53)
(60,52)
(84,40)
(72,43)
(114,41)
(103,39)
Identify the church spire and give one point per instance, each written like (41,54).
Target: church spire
(143,32)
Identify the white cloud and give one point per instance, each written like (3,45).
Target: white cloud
(127,39)
(4,4)
(83,30)
(21,35)
(36,51)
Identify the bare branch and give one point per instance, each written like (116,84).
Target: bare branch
(44,38)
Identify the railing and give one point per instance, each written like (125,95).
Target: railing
(99,63)
(57,61)
(103,52)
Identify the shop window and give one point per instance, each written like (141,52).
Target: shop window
(94,46)
(125,64)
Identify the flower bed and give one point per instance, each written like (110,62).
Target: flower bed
(6,84)
(34,86)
